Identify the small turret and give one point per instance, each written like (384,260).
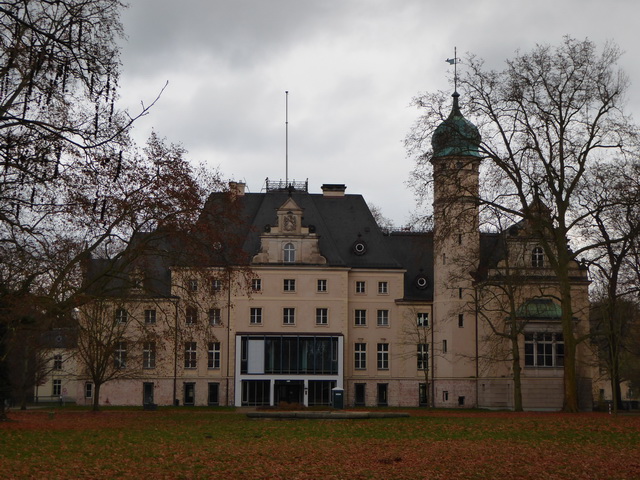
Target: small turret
(456,136)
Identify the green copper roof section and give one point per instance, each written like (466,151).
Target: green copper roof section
(456,135)
(540,308)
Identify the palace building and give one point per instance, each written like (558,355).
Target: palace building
(325,300)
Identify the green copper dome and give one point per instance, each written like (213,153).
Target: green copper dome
(456,135)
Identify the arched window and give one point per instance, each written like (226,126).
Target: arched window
(289,253)
(537,257)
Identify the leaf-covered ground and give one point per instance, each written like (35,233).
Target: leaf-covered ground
(201,443)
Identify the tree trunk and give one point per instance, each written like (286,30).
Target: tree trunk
(96,397)
(517,379)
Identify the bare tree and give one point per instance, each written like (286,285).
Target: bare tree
(545,120)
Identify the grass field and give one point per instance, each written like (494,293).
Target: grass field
(223,443)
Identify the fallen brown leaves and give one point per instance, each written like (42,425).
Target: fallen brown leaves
(197,443)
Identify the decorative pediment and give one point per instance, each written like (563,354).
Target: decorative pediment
(289,241)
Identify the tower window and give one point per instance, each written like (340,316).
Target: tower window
(537,257)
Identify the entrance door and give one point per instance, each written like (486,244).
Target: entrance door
(147,393)
(289,391)
(360,393)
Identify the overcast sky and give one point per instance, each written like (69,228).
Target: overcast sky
(351,68)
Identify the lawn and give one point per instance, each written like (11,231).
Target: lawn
(222,443)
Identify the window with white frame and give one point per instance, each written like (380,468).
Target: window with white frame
(423,356)
(289,285)
(57,362)
(322,285)
(361,286)
(120,355)
(383,356)
(57,388)
(256,284)
(422,319)
(215,316)
(191,315)
(322,316)
(88,390)
(288,316)
(255,316)
(190,355)
(216,285)
(383,288)
(360,318)
(289,253)
(213,355)
(360,356)
(150,316)
(192,285)
(149,355)
(383,318)
(543,349)
(537,257)
(121,315)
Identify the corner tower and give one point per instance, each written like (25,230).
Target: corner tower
(456,161)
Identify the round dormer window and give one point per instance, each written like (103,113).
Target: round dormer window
(359,247)
(422,282)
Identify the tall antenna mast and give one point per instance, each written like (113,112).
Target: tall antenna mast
(286,138)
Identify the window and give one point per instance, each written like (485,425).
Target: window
(423,319)
(120,355)
(88,390)
(288,316)
(361,287)
(192,285)
(383,356)
(361,394)
(361,356)
(150,316)
(149,355)
(461,320)
(444,258)
(191,315)
(445,396)
(57,388)
(383,318)
(189,393)
(190,355)
(382,394)
(383,288)
(214,393)
(57,362)
(459,293)
(322,285)
(289,285)
(444,346)
(543,350)
(423,356)
(255,316)
(423,395)
(216,284)
(537,257)
(213,355)
(322,316)
(121,315)
(361,318)
(256,285)
(214,316)
(289,253)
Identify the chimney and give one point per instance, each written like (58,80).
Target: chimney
(333,189)
(237,188)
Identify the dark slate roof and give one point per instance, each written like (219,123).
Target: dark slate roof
(339,222)
(415,252)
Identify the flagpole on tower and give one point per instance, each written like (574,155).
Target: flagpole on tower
(286,138)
